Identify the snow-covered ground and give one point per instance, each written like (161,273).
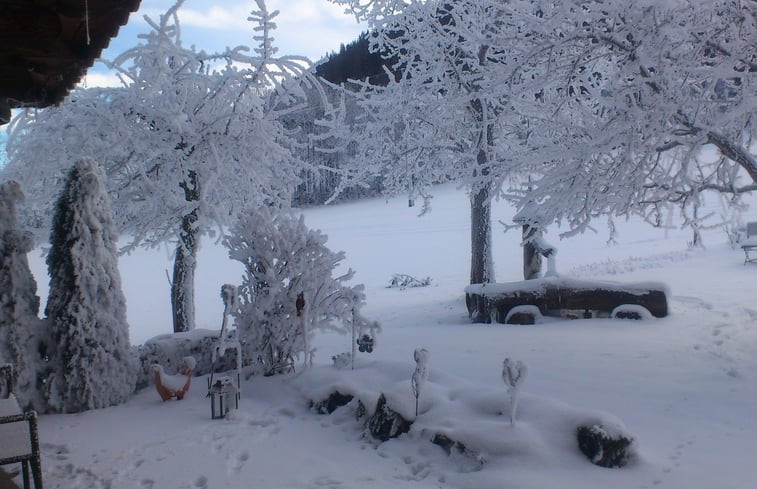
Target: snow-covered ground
(684,386)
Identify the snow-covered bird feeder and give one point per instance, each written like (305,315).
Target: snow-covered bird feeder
(223,393)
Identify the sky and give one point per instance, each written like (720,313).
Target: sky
(310,28)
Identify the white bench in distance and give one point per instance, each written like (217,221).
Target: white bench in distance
(749,245)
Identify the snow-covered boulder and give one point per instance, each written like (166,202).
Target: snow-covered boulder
(170,349)
(385,423)
(605,446)
(335,400)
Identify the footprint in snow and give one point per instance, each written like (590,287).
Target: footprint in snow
(59,452)
(327,482)
(236,463)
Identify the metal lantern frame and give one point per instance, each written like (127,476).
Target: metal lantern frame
(223,394)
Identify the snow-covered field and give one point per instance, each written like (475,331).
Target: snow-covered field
(684,386)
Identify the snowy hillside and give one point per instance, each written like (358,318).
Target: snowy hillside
(683,386)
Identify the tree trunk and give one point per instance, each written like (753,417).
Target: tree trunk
(185,262)
(481,270)
(482,265)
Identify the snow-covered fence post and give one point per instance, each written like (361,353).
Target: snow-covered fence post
(513,373)
(420,375)
(229,298)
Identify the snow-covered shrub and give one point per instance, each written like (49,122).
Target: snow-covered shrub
(342,360)
(19,303)
(90,362)
(284,260)
(513,373)
(402,281)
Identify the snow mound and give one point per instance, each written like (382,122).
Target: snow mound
(473,417)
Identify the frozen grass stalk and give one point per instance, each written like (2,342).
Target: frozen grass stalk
(513,373)
(420,375)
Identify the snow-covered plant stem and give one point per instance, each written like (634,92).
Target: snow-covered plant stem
(513,373)
(420,375)
(354,339)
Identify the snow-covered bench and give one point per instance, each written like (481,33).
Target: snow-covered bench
(19,439)
(564,297)
(749,245)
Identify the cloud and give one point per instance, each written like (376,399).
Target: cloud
(99,79)
(216,17)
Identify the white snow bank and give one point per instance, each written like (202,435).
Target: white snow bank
(472,414)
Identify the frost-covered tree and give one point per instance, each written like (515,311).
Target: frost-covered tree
(188,141)
(618,107)
(19,303)
(444,114)
(285,261)
(645,103)
(90,364)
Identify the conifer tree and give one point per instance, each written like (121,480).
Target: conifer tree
(19,303)
(90,364)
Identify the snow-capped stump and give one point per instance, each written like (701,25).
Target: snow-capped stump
(335,400)
(385,423)
(605,447)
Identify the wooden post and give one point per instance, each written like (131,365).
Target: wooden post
(300,305)
(531,255)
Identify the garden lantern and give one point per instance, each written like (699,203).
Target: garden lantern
(223,393)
